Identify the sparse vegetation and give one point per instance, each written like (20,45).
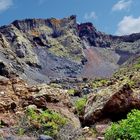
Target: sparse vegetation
(74,92)
(99,83)
(80,104)
(54,85)
(48,122)
(1,138)
(127,129)
(21,131)
(137,65)
(131,83)
(34,33)
(71,91)
(57,49)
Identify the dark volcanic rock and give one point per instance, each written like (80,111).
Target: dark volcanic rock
(6,70)
(131,38)
(95,38)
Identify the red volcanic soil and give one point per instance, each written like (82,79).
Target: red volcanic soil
(92,57)
(97,65)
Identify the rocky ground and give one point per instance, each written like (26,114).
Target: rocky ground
(56,83)
(84,112)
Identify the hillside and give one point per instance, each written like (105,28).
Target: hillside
(42,50)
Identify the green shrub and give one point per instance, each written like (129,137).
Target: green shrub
(48,121)
(80,104)
(131,83)
(1,138)
(71,91)
(54,85)
(126,129)
(21,131)
(74,92)
(99,83)
(137,66)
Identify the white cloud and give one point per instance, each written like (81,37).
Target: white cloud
(122,5)
(128,25)
(5,4)
(89,16)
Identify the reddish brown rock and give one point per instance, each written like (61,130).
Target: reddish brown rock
(16,96)
(113,102)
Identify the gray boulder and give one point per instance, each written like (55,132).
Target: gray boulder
(45,137)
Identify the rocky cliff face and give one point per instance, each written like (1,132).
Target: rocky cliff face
(41,50)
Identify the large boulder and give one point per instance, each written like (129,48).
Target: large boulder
(113,102)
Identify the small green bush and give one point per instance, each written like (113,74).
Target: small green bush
(137,66)
(99,83)
(80,104)
(1,138)
(126,129)
(74,92)
(21,131)
(131,83)
(71,91)
(48,121)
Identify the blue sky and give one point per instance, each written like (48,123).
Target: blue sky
(110,16)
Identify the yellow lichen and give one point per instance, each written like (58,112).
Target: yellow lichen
(55,22)
(34,32)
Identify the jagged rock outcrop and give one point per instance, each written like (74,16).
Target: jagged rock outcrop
(113,102)
(42,49)
(95,38)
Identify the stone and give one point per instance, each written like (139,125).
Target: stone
(2,93)
(86,129)
(4,71)
(100,138)
(101,128)
(19,138)
(31,107)
(69,132)
(45,137)
(20,52)
(10,138)
(113,102)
